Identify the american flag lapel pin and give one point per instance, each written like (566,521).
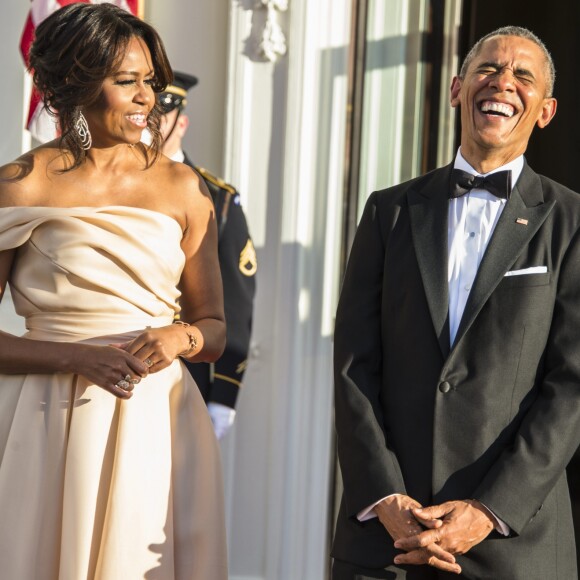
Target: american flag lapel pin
(522,221)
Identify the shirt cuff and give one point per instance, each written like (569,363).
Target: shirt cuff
(500,526)
(369,512)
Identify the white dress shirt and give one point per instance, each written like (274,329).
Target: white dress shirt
(178,156)
(471,222)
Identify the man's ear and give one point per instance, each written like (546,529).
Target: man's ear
(455,90)
(182,124)
(548,111)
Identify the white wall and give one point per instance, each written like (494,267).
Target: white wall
(195,34)
(12,19)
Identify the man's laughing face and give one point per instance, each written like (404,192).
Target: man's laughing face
(502,98)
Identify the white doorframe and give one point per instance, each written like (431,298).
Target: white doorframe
(285,131)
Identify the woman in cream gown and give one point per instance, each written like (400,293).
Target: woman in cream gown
(109,468)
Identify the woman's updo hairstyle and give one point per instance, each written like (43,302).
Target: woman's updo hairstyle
(75,49)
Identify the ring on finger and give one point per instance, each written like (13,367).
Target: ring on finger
(123,384)
(148,362)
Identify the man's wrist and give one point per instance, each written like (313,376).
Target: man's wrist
(493,520)
(370,512)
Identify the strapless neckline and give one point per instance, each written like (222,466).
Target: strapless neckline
(92,209)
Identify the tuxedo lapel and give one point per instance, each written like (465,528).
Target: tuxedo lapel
(521,218)
(428,210)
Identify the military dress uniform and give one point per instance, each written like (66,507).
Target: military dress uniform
(220,382)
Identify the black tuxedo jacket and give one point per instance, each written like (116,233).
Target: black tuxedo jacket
(497,416)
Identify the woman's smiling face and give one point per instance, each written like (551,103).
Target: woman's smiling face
(127,97)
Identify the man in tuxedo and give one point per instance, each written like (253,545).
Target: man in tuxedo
(457,349)
(219,382)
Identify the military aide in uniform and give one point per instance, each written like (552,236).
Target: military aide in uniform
(219,382)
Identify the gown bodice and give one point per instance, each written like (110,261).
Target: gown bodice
(84,271)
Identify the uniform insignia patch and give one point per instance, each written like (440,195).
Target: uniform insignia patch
(248,259)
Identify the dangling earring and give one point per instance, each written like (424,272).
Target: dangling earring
(82,129)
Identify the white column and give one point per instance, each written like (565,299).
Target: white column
(285,149)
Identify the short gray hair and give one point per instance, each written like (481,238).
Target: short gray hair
(550,69)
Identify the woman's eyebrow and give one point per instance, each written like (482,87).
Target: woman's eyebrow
(132,72)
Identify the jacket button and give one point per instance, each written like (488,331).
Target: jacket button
(444,387)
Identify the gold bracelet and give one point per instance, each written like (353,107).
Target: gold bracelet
(192,338)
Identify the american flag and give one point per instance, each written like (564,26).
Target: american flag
(40,123)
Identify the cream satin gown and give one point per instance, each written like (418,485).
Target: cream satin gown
(93,487)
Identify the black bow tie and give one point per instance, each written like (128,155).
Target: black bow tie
(499,183)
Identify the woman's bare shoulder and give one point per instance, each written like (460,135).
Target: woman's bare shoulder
(181,192)
(181,184)
(180,175)
(24,180)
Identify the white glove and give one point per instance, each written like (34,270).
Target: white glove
(222,418)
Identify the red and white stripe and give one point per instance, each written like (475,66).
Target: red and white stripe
(40,123)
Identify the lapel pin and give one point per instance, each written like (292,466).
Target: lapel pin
(522,221)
